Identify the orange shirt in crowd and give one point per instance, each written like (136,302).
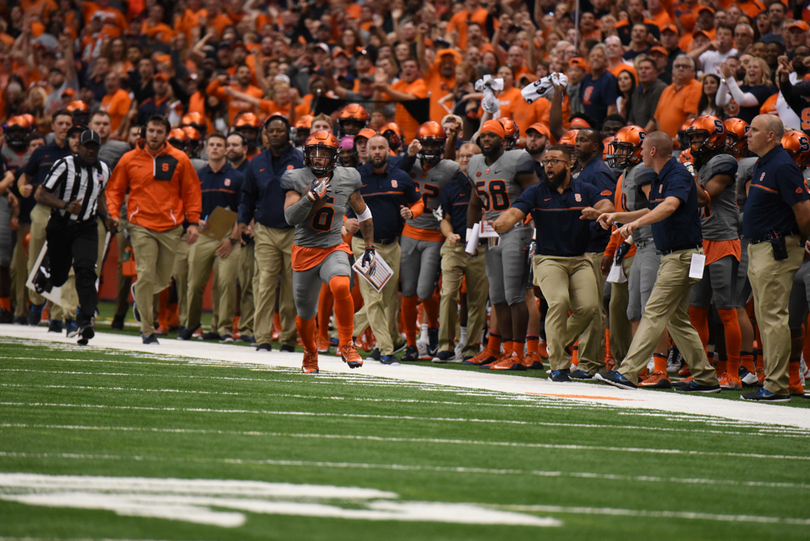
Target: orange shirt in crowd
(662,19)
(43,8)
(189,21)
(219,23)
(109,15)
(676,104)
(161,32)
(402,117)
(618,68)
(196,104)
(525,114)
(269,107)
(752,8)
(117,105)
(235,105)
(458,23)
(438,87)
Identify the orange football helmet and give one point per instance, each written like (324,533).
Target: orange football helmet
(178,139)
(512,133)
(625,147)
(321,144)
(432,136)
(195,119)
(352,119)
(797,144)
(578,124)
(568,139)
(29,118)
(706,134)
(247,120)
(736,130)
(394,134)
(304,123)
(78,106)
(17,130)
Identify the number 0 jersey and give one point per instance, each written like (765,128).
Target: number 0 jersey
(496,184)
(322,229)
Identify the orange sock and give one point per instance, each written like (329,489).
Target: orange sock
(575,354)
(793,373)
(5,303)
(344,308)
(517,348)
(660,361)
(306,330)
(326,301)
(533,344)
(607,344)
(731,326)
(747,361)
(700,321)
(431,310)
(508,346)
(494,343)
(409,315)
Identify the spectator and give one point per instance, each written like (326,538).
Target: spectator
(638,42)
(410,87)
(116,102)
(749,97)
(598,88)
(712,54)
(743,37)
(708,98)
(679,101)
(635,16)
(625,86)
(646,95)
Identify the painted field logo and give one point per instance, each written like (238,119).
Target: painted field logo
(198,500)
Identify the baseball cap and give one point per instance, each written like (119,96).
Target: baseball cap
(89,136)
(324,47)
(579,62)
(697,33)
(671,28)
(659,49)
(76,128)
(706,8)
(801,25)
(161,76)
(495,127)
(339,51)
(540,128)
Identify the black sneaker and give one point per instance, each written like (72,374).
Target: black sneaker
(390,360)
(211,335)
(86,332)
(375,354)
(693,386)
(615,379)
(187,334)
(6,316)
(444,356)
(264,347)
(35,314)
(247,339)
(287,348)
(580,375)
(764,395)
(411,354)
(226,338)
(117,323)
(433,341)
(71,328)
(559,376)
(55,326)
(151,339)
(21,320)
(135,311)
(400,348)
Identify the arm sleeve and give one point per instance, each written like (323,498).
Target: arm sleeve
(247,203)
(192,194)
(743,99)
(56,175)
(215,89)
(793,97)
(298,213)
(117,187)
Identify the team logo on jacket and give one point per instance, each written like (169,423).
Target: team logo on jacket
(577,198)
(227,182)
(605,193)
(394,184)
(290,167)
(762,177)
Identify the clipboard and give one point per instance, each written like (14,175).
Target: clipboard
(382,273)
(219,223)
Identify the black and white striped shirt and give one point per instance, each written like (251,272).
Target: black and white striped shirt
(70,181)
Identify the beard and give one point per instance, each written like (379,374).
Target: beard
(492,152)
(536,151)
(800,69)
(557,180)
(378,163)
(740,75)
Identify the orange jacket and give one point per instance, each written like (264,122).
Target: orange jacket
(163,189)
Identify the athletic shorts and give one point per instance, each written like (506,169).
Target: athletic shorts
(719,284)
(306,284)
(508,267)
(419,266)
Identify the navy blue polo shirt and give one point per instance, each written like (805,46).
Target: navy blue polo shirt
(37,169)
(598,174)
(455,199)
(220,189)
(560,232)
(262,196)
(598,95)
(384,192)
(681,229)
(776,185)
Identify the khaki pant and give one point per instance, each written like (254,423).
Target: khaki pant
(123,282)
(70,299)
(592,341)
(19,273)
(567,284)
(379,307)
(245,276)
(668,308)
(455,265)
(273,270)
(771,282)
(621,331)
(202,260)
(154,260)
(180,272)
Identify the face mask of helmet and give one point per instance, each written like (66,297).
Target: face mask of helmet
(16,137)
(321,160)
(431,151)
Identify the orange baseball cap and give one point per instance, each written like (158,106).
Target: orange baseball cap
(659,49)
(801,25)
(540,128)
(495,127)
(579,62)
(671,27)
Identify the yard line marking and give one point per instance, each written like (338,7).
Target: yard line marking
(656,514)
(94,388)
(372,416)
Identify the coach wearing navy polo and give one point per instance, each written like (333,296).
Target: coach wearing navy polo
(776,220)
(391,195)
(673,214)
(561,268)
(263,200)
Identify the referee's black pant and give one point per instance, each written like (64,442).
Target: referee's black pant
(75,244)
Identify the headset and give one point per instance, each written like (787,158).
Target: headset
(291,131)
(244,139)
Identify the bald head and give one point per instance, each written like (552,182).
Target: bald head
(766,133)
(378,152)
(656,150)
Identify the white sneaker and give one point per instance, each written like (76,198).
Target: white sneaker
(422,349)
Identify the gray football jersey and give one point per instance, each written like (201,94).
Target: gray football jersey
(323,229)
(496,184)
(430,185)
(633,197)
(745,168)
(15,161)
(720,218)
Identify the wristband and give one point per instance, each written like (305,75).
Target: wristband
(369,247)
(233,240)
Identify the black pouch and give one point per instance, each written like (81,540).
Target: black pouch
(779,246)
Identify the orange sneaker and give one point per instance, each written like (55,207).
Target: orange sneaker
(656,380)
(485,357)
(796,390)
(610,363)
(161,331)
(363,344)
(761,375)
(729,381)
(323,345)
(532,361)
(310,363)
(644,373)
(542,350)
(507,361)
(684,371)
(350,356)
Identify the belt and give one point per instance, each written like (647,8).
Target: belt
(764,239)
(693,247)
(642,243)
(383,242)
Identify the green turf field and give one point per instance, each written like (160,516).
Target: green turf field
(599,473)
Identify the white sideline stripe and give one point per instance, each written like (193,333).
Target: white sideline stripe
(541,473)
(71,539)
(94,388)
(656,514)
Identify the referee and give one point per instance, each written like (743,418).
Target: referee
(74,189)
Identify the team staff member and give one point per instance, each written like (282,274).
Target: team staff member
(673,214)
(163,191)
(560,207)
(391,195)
(595,172)
(263,200)
(776,219)
(456,264)
(74,189)
(36,170)
(221,186)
